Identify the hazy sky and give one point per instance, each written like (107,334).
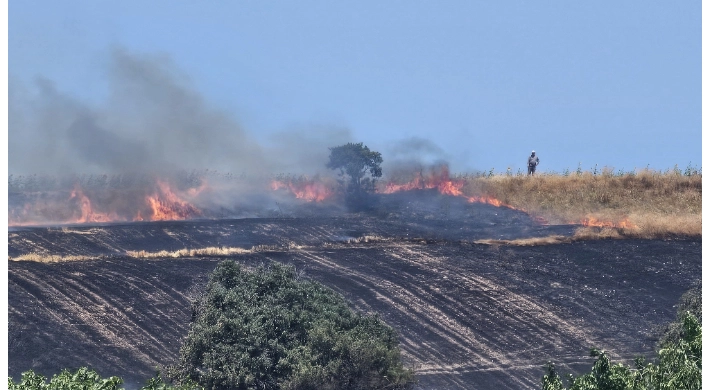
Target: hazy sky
(480,83)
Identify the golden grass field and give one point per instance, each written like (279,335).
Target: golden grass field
(643,204)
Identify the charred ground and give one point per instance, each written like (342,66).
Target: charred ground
(469,315)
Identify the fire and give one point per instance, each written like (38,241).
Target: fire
(488,200)
(163,202)
(310,190)
(87,212)
(167,206)
(440,179)
(624,223)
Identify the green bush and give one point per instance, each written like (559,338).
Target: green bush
(83,379)
(86,379)
(678,366)
(267,329)
(691,302)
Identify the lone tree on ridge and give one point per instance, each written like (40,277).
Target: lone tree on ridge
(355,161)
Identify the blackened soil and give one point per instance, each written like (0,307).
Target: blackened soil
(406,216)
(469,316)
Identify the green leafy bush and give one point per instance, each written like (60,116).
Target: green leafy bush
(87,379)
(267,329)
(678,367)
(691,302)
(83,379)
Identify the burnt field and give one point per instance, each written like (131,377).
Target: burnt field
(469,315)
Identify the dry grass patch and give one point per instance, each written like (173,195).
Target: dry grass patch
(643,204)
(205,252)
(534,241)
(47,258)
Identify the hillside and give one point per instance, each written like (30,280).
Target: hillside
(117,296)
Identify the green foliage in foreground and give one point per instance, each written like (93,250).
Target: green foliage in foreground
(691,302)
(679,367)
(267,329)
(85,379)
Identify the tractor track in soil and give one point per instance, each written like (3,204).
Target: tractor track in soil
(469,316)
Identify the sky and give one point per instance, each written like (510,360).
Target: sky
(478,84)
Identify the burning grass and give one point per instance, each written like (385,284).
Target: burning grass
(643,204)
(647,204)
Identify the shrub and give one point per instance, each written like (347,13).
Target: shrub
(86,379)
(267,329)
(83,379)
(678,366)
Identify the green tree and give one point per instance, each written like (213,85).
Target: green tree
(354,162)
(268,329)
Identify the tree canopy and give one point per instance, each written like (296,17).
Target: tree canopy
(355,161)
(268,329)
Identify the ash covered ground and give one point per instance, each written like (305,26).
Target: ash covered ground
(469,316)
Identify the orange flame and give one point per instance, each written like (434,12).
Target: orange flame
(435,179)
(82,207)
(489,200)
(624,223)
(166,206)
(441,180)
(310,190)
(87,212)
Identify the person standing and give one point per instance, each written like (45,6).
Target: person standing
(533,160)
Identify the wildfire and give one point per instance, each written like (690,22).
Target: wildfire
(436,178)
(166,206)
(87,212)
(488,200)
(624,223)
(440,179)
(100,206)
(311,190)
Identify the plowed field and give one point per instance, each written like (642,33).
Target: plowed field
(469,316)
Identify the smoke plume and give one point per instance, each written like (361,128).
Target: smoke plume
(152,121)
(154,141)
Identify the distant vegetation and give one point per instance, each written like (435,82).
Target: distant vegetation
(656,204)
(268,329)
(678,362)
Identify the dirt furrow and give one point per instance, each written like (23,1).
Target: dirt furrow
(79,309)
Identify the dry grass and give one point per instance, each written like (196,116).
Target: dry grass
(207,252)
(647,204)
(142,254)
(534,241)
(47,258)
